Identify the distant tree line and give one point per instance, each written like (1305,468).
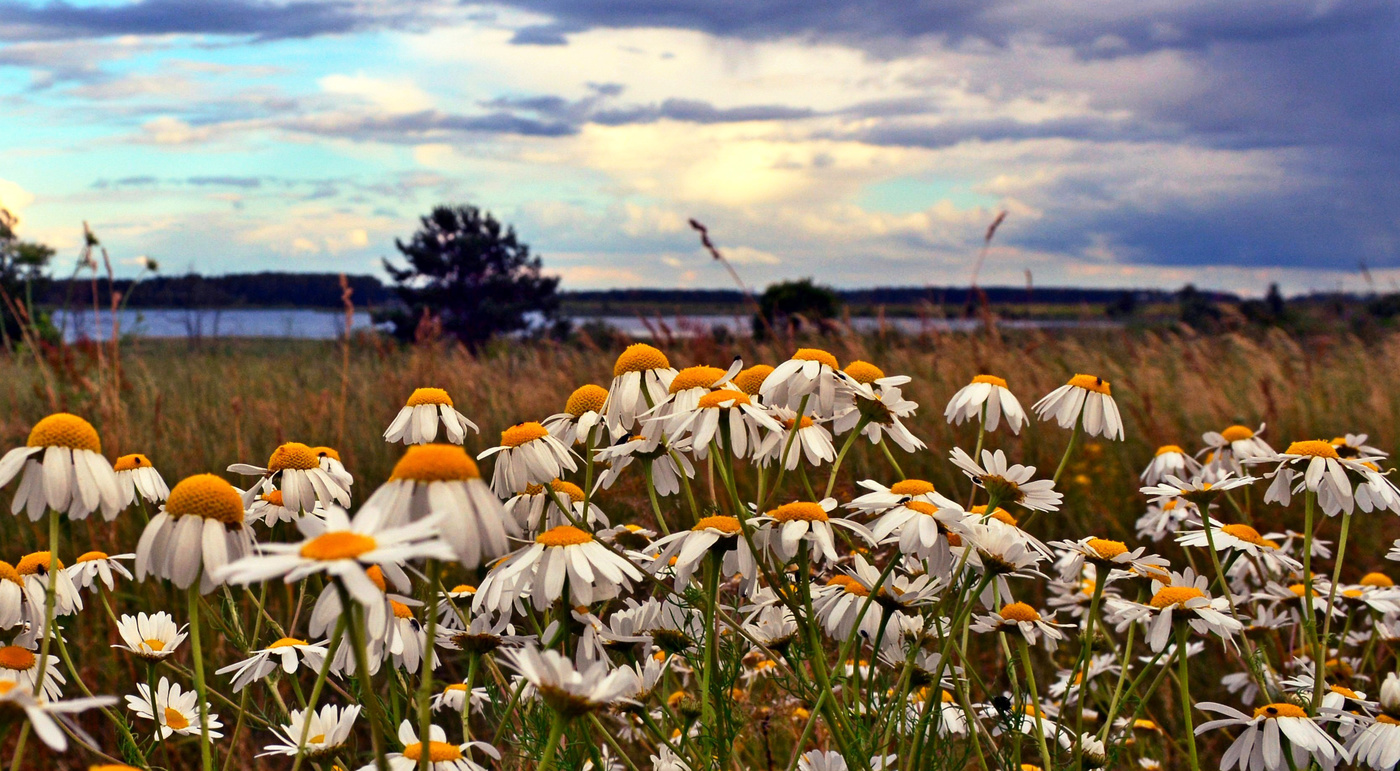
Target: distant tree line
(255,290)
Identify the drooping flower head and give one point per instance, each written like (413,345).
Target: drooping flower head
(198,531)
(641,378)
(1086,398)
(987,399)
(417,422)
(63,469)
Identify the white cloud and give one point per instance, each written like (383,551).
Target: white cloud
(395,95)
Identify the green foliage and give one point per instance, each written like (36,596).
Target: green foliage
(469,275)
(793,303)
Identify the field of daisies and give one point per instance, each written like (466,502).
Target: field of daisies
(783,565)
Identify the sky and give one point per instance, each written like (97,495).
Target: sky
(858,142)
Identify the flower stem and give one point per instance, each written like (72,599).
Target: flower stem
(1184,674)
(358,643)
(1035,704)
(1309,616)
(556,730)
(197,655)
(336,638)
(1331,597)
(50,598)
(845,448)
(425,674)
(1069,448)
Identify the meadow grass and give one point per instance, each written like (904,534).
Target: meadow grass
(197,408)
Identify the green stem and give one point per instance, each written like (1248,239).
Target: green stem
(1309,617)
(425,673)
(556,730)
(50,598)
(889,456)
(205,756)
(841,456)
(358,642)
(1318,685)
(1082,665)
(1184,674)
(1035,704)
(1069,448)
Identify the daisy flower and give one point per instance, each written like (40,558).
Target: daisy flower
(34,571)
(455,698)
(1020,618)
(1001,551)
(136,475)
(417,422)
(559,556)
(1239,537)
(810,373)
(1170,459)
(284,654)
(666,760)
(881,498)
(528,455)
(923,529)
(1087,399)
(1324,473)
(151,637)
(332,464)
(812,440)
(1354,446)
(1182,600)
(641,378)
(48,717)
(666,467)
(1165,518)
(868,394)
(98,565)
(198,531)
(408,640)
(750,380)
(14,601)
(343,548)
(1235,445)
(783,529)
(1271,731)
(689,548)
(684,393)
(773,625)
(175,711)
(21,665)
(1200,491)
(1378,744)
(268,507)
(568,690)
(987,399)
(581,422)
(1107,555)
(329,731)
(63,469)
(442,479)
(304,484)
(817,760)
(1008,483)
(727,417)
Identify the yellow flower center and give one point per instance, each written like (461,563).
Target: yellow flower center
(1376,579)
(750,379)
(376,576)
(129,462)
(155,645)
(1001,515)
(799,510)
(207,496)
(521,433)
(400,610)
(464,589)
(175,720)
(64,430)
(455,687)
(639,357)
(864,372)
(1170,449)
(1237,433)
(339,545)
(587,398)
(1019,612)
(38,562)
(293,455)
(1175,595)
(1345,691)
(854,587)
(422,396)
(1351,593)
(326,452)
(726,398)
(563,535)
(287,642)
(1091,383)
(436,463)
(92,556)
(16,658)
(1107,549)
(695,377)
(317,739)
(1387,719)
(1144,724)
(911,487)
(816,354)
(112,767)
(274,498)
(8,573)
(806,422)
(1299,589)
(840,580)
(570,489)
(990,380)
(1280,709)
(1245,533)
(728,525)
(923,507)
(1315,448)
